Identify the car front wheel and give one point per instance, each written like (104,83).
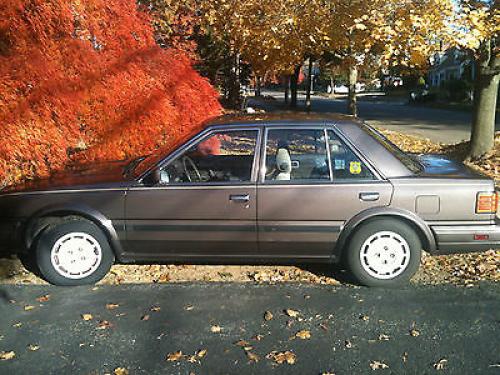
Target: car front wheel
(74,252)
(383,252)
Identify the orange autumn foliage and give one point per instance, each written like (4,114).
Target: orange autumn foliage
(84,81)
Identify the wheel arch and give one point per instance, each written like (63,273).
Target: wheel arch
(53,214)
(420,226)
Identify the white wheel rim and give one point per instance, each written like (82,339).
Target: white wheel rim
(385,255)
(76,255)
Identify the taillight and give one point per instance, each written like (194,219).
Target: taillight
(487,203)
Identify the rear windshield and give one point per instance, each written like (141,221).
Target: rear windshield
(408,160)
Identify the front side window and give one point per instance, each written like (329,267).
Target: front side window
(296,155)
(225,156)
(345,163)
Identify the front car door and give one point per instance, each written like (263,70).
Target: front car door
(312,182)
(205,204)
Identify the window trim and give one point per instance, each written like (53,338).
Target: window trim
(199,138)
(262,175)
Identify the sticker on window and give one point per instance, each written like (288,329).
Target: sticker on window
(355,167)
(339,164)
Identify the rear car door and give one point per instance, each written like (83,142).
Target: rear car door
(311,183)
(205,204)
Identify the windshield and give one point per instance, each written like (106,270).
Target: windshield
(142,164)
(408,160)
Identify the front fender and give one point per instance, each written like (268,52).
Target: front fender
(32,227)
(426,234)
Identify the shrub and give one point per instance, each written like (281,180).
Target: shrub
(84,80)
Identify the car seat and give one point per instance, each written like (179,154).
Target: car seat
(283,164)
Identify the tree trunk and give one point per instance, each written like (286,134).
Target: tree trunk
(257,86)
(294,86)
(352,107)
(485,101)
(483,125)
(332,85)
(309,85)
(287,89)
(234,84)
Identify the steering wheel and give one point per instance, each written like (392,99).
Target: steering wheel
(187,160)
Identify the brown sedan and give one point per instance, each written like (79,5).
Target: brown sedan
(249,189)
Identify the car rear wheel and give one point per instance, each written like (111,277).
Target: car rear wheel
(384,252)
(74,252)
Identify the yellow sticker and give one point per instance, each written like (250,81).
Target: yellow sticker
(355,167)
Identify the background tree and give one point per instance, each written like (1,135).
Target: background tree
(398,32)
(477,30)
(273,36)
(86,81)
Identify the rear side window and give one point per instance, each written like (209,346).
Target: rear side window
(346,165)
(296,155)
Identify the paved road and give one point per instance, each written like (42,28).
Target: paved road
(436,124)
(460,325)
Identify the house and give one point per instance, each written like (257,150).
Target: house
(450,64)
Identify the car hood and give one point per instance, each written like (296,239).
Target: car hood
(89,176)
(440,166)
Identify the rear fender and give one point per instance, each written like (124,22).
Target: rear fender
(425,233)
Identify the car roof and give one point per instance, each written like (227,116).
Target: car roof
(281,118)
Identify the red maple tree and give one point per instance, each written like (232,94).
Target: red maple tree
(85,81)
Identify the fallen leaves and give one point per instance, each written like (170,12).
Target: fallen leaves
(268,315)
(413,331)
(120,371)
(145,317)
(44,298)
(104,324)
(178,356)
(175,356)
(242,343)
(439,365)
(252,357)
(87,317)
(112,306)
(28,307)
(216,329)
(383,337)
(378,365)
(292,313)
(282,357)
(7,356)
(303,334)
(33,347)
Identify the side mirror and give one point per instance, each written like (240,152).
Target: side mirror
(155,177)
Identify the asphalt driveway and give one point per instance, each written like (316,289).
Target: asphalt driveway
(221,329)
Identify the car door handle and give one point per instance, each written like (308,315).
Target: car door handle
(369,197)
(239,198)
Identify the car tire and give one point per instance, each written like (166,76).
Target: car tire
(383,253)
(74,252)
